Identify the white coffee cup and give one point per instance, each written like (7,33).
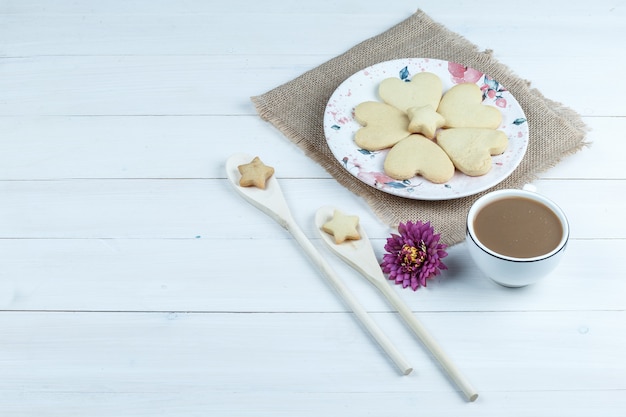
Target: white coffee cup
(508,270)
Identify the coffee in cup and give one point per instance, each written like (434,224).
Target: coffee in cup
(516,237)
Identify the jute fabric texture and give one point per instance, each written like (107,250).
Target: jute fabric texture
(296,108)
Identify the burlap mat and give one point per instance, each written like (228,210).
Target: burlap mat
(297,110)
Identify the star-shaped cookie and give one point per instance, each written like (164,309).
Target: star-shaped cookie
(255,173)
(342,227)
(425,120)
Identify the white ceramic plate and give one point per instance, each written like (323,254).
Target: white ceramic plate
(367,166)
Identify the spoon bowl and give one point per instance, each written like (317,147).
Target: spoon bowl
(359,254)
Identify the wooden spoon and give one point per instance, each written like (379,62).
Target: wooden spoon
(271,201)
(360,255)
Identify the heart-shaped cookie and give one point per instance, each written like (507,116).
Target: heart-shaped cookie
(383,125)
(424,89)
(471,148)
(461,106)
(417,155)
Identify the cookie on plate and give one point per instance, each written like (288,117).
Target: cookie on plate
(471,149)
(461,106)
(424,120)
(424,89)
(383,125)
(418,155)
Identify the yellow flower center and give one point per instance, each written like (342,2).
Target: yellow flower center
(412,257)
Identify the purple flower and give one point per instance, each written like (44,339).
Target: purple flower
(414,255)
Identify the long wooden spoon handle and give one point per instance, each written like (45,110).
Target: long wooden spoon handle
(363,316)
(428,341)
(271,201)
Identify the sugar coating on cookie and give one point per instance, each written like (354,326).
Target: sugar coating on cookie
(424,120)
(461,106)
(471,149)
(383,125)
(418,155)
(255,173)
(342,227)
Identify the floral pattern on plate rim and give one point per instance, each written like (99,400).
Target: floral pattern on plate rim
(367,166)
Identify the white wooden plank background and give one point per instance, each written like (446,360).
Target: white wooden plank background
(133,281)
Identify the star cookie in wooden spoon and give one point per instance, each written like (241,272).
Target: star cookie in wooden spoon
(343,227)
(255,173)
